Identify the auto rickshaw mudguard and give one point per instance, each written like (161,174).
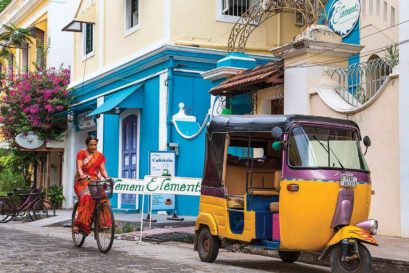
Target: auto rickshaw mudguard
(206,219)
(349,232)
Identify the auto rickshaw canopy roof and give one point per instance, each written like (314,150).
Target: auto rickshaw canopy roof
(265,123)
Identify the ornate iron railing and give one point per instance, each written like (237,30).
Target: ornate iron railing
(310,10)
(359,82)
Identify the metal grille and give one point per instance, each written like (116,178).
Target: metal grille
(359,82)
(235,7)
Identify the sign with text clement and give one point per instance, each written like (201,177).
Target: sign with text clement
(343,16)
(159,185)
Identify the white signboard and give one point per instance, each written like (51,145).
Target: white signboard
(162,163)
(343,16)
(85,122)
(159,185)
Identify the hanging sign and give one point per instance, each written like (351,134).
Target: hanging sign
(85,122)
(29,140)
(343,16)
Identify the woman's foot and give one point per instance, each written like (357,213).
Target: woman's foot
(75,229)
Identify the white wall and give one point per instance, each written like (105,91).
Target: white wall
(61,51)
(403,118)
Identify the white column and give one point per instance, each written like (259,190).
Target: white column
(163,110)
(100,127)
(69,166)
(403,117)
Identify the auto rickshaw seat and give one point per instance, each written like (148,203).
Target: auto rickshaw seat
(235,202)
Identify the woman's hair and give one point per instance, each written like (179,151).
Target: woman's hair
(89,138)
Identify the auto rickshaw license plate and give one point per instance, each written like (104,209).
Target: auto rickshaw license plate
(349,181)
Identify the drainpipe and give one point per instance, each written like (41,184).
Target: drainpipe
(169,83)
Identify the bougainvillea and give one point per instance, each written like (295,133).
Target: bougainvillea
(31,101)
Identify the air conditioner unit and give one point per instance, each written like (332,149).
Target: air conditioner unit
(299,19)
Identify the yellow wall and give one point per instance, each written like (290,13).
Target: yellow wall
(117,44)
(195,23)
(380,122)
(25,21)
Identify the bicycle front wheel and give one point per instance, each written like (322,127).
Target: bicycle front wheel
(77,238)
(104,227)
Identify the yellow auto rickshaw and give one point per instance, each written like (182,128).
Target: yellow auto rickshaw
(287,183)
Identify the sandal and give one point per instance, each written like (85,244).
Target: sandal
(75,229)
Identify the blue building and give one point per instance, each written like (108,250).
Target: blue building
(130,109)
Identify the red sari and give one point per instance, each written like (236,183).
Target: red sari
(86,205)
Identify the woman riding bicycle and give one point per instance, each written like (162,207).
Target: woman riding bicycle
(90,166)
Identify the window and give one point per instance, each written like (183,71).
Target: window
(235,7)
(378,7)
(132,13)
(88,39)
(392,16)
(364,7)
(385,11)
(24,57)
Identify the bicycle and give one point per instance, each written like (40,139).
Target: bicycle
(20,203)
(104,235)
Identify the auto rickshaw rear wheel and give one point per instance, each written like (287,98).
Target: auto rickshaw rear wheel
(208,245)
(289,256)
(339,264)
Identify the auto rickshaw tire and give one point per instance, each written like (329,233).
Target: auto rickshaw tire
(208,245)
(339,266)
(289,257)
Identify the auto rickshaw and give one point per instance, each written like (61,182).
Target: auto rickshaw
(287,183)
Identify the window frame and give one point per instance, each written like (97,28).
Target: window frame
(290,134)
(220,17)
(86,55)
(128,30)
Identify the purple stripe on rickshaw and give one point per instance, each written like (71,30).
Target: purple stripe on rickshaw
(212,191)
(324,175)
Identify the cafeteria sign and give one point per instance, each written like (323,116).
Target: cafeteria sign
(343,16)
(159,184)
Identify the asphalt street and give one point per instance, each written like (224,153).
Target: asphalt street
(51,250)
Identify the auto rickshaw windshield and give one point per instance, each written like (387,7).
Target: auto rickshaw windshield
(318,147)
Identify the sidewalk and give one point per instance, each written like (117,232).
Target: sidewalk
(392,255)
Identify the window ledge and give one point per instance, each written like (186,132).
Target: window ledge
(227,18)
(88,56)
(132,30)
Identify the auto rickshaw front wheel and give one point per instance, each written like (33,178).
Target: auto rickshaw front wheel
(207,245)
(341,263)
(289,257)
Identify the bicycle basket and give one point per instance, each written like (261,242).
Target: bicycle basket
(100,190)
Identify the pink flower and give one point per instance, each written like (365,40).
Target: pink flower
(59,108)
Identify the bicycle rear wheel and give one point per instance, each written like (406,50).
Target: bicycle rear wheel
(39,210)
(7,210)
(77,238)
(104,227)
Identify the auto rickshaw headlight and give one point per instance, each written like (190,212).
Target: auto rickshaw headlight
(369,225)
(374,227)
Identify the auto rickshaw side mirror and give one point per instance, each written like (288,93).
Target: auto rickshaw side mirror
(367,143)
(277,133)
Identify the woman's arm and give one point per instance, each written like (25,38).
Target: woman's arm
(103,170)
(79,169)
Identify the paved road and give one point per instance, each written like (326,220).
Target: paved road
(51,250)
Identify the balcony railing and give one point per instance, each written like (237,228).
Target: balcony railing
(359,82)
